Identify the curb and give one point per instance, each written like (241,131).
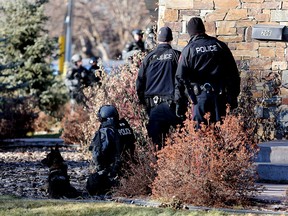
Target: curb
(35,142)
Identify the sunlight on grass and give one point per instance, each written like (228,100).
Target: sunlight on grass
(13,206)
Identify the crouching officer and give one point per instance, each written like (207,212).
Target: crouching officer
(155,87)
(208,72)
(112,146)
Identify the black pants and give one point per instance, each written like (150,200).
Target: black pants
(161,118)
(210,102)
(100,183)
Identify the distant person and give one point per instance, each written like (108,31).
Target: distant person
(95,69)
(136,45)
(77,78)
(208,72)
(150,39)
(155,87)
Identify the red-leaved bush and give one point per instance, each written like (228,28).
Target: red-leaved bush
(212,166)
(71,123)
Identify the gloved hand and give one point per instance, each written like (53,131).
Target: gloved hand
(179,111)
(232,101)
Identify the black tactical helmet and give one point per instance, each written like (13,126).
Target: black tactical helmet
(107,111)
(138,32)
(93,60)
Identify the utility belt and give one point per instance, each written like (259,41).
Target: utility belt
(207,87)
(156,100)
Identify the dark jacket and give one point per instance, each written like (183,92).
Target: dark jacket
(156,75)
(82,75)
(135,45)
(112,143)
(205,59)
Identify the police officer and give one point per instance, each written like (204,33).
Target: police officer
(95,69)
(112,146)
(155,87)
(208,72)
(150,41)
(136,45)
(77,78)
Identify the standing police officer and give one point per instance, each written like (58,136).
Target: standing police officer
(95,69)
(136,45)
(208,72)
(77,78)
(155,87)
(150,41)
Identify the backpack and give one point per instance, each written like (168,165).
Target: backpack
(126,139)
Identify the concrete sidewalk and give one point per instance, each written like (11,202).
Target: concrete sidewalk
(273,193)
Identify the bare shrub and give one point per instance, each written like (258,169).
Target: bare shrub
(138,175)
(212,166)
(44,122)
(71,124)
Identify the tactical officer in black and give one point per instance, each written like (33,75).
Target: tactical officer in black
(77,78)
(155,87)
(150,40)
(95,69)
(136,45)
(208,72)
(112,145)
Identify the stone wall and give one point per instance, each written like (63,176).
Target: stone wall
(232,21)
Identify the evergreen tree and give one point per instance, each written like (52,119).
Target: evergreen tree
(28,49)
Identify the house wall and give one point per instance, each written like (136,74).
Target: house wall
(232,21)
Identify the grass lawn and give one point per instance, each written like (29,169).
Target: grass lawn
(11,206)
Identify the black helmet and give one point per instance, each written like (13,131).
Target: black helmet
(107,111)
(138,32)
(93,60)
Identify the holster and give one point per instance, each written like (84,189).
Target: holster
(156,100)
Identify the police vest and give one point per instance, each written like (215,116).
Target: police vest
(103,145)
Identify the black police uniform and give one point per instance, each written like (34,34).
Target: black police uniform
(113,144)
(155,89)
(208,72)
(135,45)
(150,42)
(93,70)
(76,79)
(87,78)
